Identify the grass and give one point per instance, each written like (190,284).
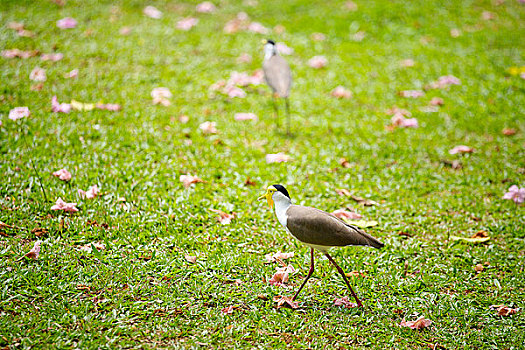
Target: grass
(141,292)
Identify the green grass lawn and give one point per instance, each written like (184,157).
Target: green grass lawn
(138,289)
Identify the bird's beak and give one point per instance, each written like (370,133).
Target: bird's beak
(268,197)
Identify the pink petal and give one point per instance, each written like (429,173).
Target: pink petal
(59,107)
(187,23)
(161,92)
(395,110)
(345,214)
(277,158)
(66,23)
(35,251)
(278,256)
(411,93)
(341,92)
(152,12)
(420,323)
(89,194)
(344,302)
(228,310)
(461,149)
(205,7)
(318,37)
(61,205)
(224,218)
(244,58)
(410,123)
(245,116)
(11,53)
(208,127)
(63,174)
(53,57)
(113,107)
(318,62)
(19,113)
(257,27)
(72,74)
(407,63)
(234,91)
(436,101)
(38,74)
(283,49)
(285,302)
(187,180)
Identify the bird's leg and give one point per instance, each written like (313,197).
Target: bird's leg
(287,104)
(309,273)
(344,277)
(275,110)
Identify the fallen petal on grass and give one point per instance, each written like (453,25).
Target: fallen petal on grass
(278,256)
(66,23)
(61,205)
(287,302)
(245,116)
(35,251)
(190,258)
(188,180)
(277,158)
(224,218)
(347,215)
(503,310)
(89,194)
(62,174)
(420,323)
(19,113)
(317,62)
(461,149)
(344,302)
(38,74)
(152,12)
(516,194)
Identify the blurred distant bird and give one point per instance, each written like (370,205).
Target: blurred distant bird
(278,77)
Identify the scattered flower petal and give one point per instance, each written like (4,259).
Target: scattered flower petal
(256,27)
(420,323)
(461,149)
(184,119)
(161,95)
(89,194)
(79,106)
(455,32)
(318,37)
(53,57)
(66,23)
(277,157)
(509,131)
(411,93)
(187,180)
(285,302)
(437,101)
(283,49)
(125,31)
(444,81)
(516,194)
(345,214)
(318,62)
(35,251)
(62,174)
(228,310)
(190,258)
(113,107)
(278,256)
(19,113)
(234,91)
(187,23)
(399,120)
(59,107)
(341,92)
(244,58)
(224,218)
(37,74)
(61,205)
(152,12)
(503,310)
(89,247)
(407,63)
(245,116)
(344,302)
(395,110)
(72,74)
(205,7)
(208,128)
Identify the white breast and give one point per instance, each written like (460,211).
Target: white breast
(280,212)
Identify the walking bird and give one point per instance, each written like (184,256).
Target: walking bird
(317,229)
(278,77)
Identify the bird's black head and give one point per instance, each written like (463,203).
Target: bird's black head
(281,189)
(270,41)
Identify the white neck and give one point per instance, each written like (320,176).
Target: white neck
(281,206)
(269,51)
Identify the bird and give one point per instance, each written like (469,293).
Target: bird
(317,229)
(278,76)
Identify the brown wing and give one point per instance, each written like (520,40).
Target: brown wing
(314,226)
(278,75)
